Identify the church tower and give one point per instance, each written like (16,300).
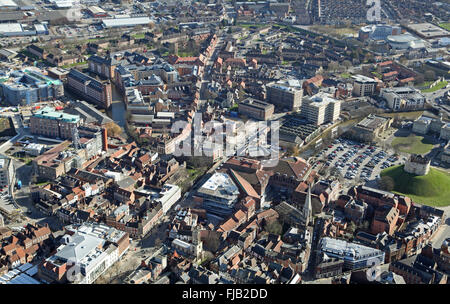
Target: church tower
(197,243)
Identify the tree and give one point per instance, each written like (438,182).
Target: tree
(274,227)
(158,242)
(212,242)
(334,172)
(113,129)
(351,227)
(333,66)
(387,183)
(293,150)
(430,75)
(347,64)
(419,79)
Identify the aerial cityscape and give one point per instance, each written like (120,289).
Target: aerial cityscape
(224,142)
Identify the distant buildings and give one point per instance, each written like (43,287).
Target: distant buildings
(445,156)
(90,89)
(405,41)
(425,125)
(428,30)
(190,249)
(28,87)
(135,224)
(378,32)
(125,22)
(418,270)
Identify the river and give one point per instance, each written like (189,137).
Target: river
(117,111)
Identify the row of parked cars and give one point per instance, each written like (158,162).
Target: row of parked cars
(353,163)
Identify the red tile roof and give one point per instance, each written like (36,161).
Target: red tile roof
(244,184)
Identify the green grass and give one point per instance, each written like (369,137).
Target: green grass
(413,144)
(445,26)
(378,75)
(74,64)
(139,36)
(432,189)
(405,115)
(345,75)
(439,86)
(234,107)
(248,25)
(424,84)
(187,54)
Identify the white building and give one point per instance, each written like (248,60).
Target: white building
(88,252)
(168,196)
(126,22)
(403,98)
(7,173)
(355,256)
(445,132)
(34,149)
(321,108)
(363,85)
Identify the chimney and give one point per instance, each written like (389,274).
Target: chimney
(105,139)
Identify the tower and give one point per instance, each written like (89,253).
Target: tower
(75,138)
(197,243)
(307,207)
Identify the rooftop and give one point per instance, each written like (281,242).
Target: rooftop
(50,113)
(346,250)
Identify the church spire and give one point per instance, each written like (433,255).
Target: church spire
(307,208)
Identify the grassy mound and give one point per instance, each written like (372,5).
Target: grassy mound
(412,144)
(432,189)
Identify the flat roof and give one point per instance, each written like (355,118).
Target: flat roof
(126,21)
(372,122)
(10,28)
(50,113)
(362,78)
(6,3)
(96,10)
(428,30)
(256,103)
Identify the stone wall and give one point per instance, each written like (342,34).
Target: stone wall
(417,165)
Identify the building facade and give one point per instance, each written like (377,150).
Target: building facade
(256,109)
(54,124)
(89,88)
(284,96)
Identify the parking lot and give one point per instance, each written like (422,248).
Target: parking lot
(355,161)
